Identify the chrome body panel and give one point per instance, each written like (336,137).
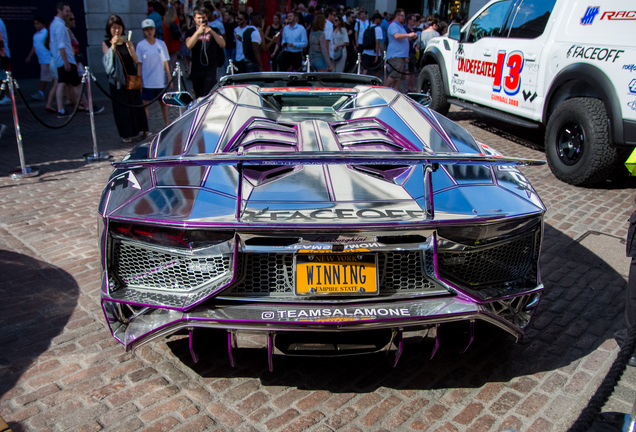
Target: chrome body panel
(262,174)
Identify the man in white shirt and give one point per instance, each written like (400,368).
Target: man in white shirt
(293,42)
(153,67)
(64,60)
(361,25)
(248,54)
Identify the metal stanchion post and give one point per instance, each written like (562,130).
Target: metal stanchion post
(96,156)
(24,171)
(307,63)
(177,70)
(230,67)
(359,63)
(384,63)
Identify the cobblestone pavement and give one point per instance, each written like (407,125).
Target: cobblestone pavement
(61,370)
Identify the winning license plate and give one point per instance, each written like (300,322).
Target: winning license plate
(320,274)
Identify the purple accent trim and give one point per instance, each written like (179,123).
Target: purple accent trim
(397,136)
(239,196)
(431,203)
(398,354)
(204,178)
(437,339)
(472,335)
(364,226)
(229,348)
(421,320)
(270,351)
(246,125)
(195,357)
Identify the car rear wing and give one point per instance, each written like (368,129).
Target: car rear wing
(329,158)
(430,163)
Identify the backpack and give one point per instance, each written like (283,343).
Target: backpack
(248,49)
(368,38)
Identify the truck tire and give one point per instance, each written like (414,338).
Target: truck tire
(430,82)
(577,142)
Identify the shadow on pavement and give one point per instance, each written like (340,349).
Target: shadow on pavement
(37,302)
(581,309)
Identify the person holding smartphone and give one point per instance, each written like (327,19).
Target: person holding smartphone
(203,41)
(130,121)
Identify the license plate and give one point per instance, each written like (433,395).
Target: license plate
(336,274)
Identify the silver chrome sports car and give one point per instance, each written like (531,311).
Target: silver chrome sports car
(316,214)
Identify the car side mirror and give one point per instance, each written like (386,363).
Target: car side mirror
(178,99)
(420,98)
(454,31)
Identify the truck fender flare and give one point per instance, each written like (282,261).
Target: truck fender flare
(434,55)
(566,83)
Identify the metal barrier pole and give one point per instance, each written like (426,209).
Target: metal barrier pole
(96,156)
(177,70)
(24,171)
(230,67)
(359,62)
(307,63)
(384,61)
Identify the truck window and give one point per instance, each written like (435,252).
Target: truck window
(489,22)
(531,18)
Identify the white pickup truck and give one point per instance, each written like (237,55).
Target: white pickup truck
(566,65)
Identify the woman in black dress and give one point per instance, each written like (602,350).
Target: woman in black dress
(130,121)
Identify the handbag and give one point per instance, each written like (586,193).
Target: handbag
(133,82)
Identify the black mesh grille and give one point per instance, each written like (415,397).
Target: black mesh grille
(137,266)
(502,262)
(263,274)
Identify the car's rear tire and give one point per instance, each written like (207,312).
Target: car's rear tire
(577,142)
(430,82)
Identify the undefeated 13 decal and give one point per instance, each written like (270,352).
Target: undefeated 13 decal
(506,72)
(511,82)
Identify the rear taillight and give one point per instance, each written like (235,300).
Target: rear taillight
(170,237)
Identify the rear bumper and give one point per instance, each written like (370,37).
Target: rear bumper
(262,321)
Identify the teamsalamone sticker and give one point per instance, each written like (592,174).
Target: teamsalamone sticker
(326,313)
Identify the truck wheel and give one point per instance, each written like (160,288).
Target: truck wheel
(577,142)
(430,82)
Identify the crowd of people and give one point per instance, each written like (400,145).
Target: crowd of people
(206,38)
(210,35)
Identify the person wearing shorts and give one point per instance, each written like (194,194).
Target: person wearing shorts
(153,66)
(398,52)
(43,55)
(372,58)
(62,53)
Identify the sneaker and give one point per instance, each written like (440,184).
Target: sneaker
(37,96)
(64,114)
(5,101)
(98,109)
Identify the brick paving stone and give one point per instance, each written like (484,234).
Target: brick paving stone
(70,374)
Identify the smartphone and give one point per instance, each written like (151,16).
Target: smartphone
(129,34)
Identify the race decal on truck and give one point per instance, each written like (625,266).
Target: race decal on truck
(510,82)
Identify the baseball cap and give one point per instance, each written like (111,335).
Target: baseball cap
(147,23)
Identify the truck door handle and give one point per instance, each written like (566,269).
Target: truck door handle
(487,53)
(531,57)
